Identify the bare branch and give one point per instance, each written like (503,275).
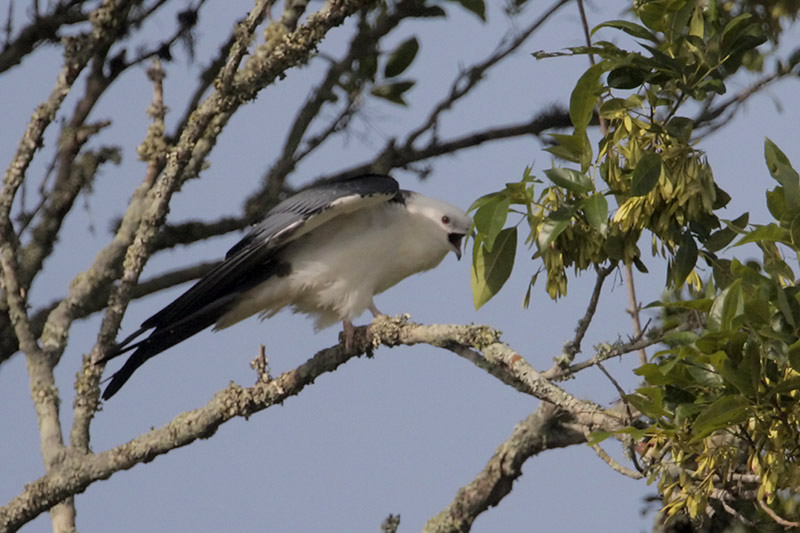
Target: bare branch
(43,29)
(775,516)
(481,362)
(715,116)
(401,157)
(78,470)
(606,352)
(361,46)
(634,308)
(614,464)
(573,347)
(470,77)
(539,432)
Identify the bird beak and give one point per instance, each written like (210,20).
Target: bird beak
(455,239)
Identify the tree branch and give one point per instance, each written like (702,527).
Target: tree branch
(393,156)
(573,347)
(43,29)
(79,470)
(539,432)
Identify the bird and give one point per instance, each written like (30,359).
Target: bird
(326,252)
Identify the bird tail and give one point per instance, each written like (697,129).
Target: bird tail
(160,339)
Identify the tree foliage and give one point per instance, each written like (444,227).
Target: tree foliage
(718,416)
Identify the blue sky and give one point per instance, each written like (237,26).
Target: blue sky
(401,432)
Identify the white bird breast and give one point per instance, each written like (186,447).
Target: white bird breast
(338,267)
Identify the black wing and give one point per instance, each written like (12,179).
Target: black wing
(248,263)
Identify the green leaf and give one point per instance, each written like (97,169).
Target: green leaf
(490,219)
(721,198)
(785,306)
(794,231)
(679,338)
(712,342)
(584,97)
(648,401)
(476,6)
(725,412)
(393,92)
(640,32)
(769,233)
(702,304)
(678,15)
(744,376)
(636,434)
(705,376)
(646,174)
(626,77)
(680,128)
(652,373)
(616,107)
(794,355)
(486,199)
(491,269)
(711,84)
(652,14)
(727,305)
(553,226)
(572,180)
(639,264)
(573,148)
(697,24)
(526,302)
(781,170)
(685,259)
(614,247)
(786,385)
(733,30)
(722,238)
(401,58)
(596,209)
(776,203)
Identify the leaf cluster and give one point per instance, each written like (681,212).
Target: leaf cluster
(720,400)
(647,163)
(722,396)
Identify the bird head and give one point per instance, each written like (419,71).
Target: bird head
(454,223)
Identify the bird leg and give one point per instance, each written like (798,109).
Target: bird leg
(348,331)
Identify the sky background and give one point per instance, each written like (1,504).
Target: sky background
(398,433)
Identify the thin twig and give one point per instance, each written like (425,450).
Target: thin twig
(634,308)
(558,373)
(736,514)
(394,156)
(44,28)
(614,464)
(775,516)
(537,433)
(471,76)
(573,347)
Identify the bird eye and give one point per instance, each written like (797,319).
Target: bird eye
(445,219)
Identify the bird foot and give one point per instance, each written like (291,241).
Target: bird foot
(348,337)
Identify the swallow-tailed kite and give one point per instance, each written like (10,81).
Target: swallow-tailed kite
(326,251)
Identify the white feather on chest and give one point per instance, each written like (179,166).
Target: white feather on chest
(338,268)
